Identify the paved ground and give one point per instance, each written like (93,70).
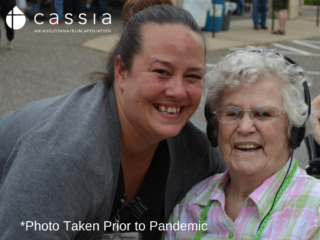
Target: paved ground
(50,64)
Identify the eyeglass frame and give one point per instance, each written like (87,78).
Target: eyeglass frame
(250,114)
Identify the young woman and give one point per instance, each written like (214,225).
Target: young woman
(125,140)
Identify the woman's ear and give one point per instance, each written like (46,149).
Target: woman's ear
(120,73)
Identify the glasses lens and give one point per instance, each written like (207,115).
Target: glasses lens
(264,112)
(229,114)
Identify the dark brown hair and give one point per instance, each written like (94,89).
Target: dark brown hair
(136,14)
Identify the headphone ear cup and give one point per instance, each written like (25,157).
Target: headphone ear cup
(297,136)
(298,133)
(212,134)
(211,126)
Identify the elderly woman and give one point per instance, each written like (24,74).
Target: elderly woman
(258,115)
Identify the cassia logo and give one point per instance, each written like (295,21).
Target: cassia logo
(15,18)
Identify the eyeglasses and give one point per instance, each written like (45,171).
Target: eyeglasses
(232,114)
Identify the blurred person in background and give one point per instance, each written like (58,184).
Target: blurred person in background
(99,7)
(281,7)
(75,7)
(301,6)
(5,7)
(259,14)
(22,5)
(59,10)
(88,4)
(240,7)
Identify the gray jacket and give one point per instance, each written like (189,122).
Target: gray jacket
(60,159)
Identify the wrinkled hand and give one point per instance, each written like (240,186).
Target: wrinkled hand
(316,105)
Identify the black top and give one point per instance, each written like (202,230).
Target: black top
(148,205)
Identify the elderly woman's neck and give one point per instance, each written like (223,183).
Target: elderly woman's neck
(236,192)
(241,186)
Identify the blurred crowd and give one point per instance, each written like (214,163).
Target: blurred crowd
(259,9)
(76,7)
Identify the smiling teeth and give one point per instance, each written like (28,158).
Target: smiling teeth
(169,110)
(247,146)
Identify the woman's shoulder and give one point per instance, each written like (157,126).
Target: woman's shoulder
(85,93)
(69,108)
(67,130)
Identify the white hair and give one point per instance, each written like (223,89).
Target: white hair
(246,66)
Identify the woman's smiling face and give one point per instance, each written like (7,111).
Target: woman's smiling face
(164,86)
(267,139)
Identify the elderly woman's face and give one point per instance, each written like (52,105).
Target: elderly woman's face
(164,86)
(252,147)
